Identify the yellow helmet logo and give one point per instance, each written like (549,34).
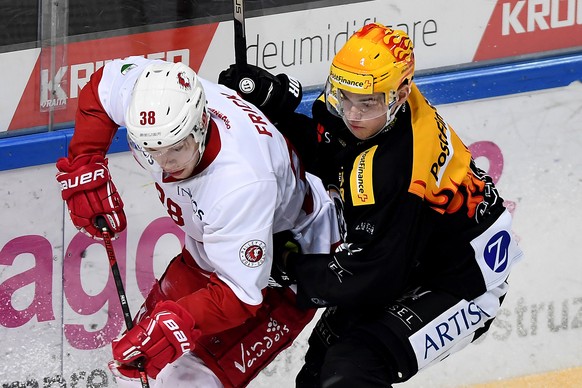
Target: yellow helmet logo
(352,82)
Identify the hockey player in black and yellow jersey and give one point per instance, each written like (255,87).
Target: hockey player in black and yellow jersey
(427,247)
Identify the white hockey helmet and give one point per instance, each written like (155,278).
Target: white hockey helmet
(167,105)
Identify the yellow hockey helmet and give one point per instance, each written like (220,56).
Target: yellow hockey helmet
(376,59)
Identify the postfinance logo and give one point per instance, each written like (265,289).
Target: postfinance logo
(361,178)
(352,82)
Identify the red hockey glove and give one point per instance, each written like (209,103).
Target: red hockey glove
(87,188)
(160,339)
(275,96)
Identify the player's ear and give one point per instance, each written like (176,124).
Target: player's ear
(402,93)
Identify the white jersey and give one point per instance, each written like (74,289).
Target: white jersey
(248,185)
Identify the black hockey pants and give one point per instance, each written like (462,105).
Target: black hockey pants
(376,349)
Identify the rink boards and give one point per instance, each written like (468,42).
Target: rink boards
(60,309)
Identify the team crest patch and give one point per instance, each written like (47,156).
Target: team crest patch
(252,253)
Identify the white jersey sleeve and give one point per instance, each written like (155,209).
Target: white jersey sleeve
(238,238)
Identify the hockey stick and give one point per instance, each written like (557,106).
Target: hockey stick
(102,224)
(240,39)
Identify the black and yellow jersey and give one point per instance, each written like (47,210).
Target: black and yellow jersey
(414,201)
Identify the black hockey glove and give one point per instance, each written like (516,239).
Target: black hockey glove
(282,271)
(275,96)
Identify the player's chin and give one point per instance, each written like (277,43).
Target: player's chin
(359,131)
(178,174)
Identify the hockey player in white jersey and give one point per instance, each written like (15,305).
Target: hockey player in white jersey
(230,181)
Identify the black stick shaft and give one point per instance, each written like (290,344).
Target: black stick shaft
(102,224)
(240,39)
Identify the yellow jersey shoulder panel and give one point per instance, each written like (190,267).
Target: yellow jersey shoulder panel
(440,159)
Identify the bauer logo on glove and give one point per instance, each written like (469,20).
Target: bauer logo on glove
(87,188)
(160,339)
(90,178)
